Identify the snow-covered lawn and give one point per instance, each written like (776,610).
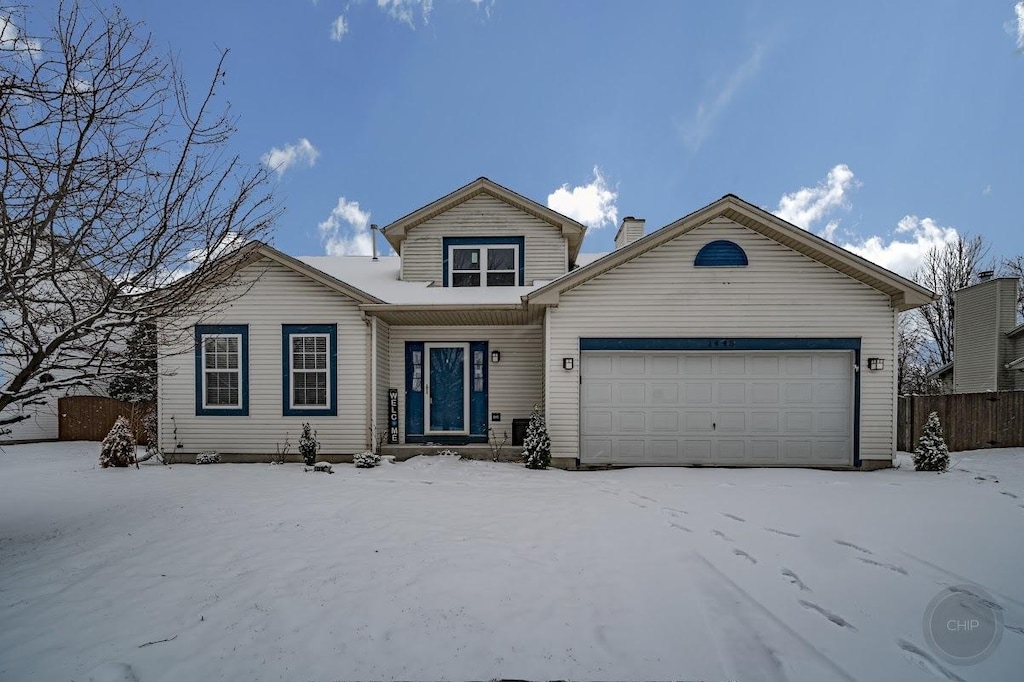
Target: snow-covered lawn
(444,569)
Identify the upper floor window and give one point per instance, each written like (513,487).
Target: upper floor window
(222,370)
(483,262)
(721,253)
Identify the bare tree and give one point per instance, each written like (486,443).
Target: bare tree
(116,182)
(1014,267)
(946,269)
(915,357)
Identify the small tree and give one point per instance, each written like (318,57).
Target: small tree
(931,453)
(309,446)
(537,444)
(118,448)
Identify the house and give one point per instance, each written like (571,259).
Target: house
(987,341)
(728,337)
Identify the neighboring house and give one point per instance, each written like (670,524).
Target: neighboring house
(728,337)
(988,344)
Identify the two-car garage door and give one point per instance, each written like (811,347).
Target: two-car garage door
(717,407)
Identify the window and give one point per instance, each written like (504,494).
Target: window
(720,253)
(222,373)
(483,262)
(309,367)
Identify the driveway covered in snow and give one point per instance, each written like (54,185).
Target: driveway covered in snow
(444,569)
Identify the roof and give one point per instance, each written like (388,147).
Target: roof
(573,231)
(1016,364)
(1016,331)
(945,369)
(903,293)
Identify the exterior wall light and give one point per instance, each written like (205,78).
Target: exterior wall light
(567,363)
(495,356)
(876,363)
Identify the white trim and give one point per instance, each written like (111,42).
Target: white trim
(483,271)
(326,371)
(465,388)
(374,424)
(207,370)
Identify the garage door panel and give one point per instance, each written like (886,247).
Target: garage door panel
(717,407)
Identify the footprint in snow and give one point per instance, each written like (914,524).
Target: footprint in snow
(637,504)
(1008,494)
(1014,628)
(795,579)
(673,511)
(981,600)
(844,543)
(721,535)
(926,661)
(735,518)
(782,532)
(833,618)
(680,527)
(740,552)
(891,567)
(644,497)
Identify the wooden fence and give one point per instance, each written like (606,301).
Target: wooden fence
(969,420)
(89,417)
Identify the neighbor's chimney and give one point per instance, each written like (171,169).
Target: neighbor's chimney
(373,235)
(630,230)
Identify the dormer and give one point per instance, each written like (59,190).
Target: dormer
(484,235)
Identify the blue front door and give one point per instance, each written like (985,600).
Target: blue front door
(446,388)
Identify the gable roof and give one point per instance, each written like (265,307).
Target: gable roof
(903,293)
(1016,331)
(255,250)
(573,231)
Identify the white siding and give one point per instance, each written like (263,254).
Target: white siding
(279,296)
(780,294)
(514,385)
(383,374)
(41,424)
(483,216)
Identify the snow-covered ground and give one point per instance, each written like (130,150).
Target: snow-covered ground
(444,569)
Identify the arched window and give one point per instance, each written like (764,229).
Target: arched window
(721,253)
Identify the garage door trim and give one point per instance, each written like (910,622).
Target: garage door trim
(740,344)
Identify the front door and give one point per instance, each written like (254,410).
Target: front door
(447,391)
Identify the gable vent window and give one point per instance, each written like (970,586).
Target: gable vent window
(483,264)
(721,253)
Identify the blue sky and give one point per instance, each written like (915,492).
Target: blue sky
(887,129)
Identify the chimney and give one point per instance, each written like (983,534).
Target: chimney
(373,235)
(630,230)
(984,312)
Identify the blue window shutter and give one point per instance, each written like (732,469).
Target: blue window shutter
(413,398)
(477,399)
(721,253)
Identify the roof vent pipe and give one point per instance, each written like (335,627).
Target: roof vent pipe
(985,275)
(373,236)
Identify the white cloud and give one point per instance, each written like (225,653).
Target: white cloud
(903,253)
(592,204)
(987,191)
(346,232)
(809,205)
(12,38)
(338,28)
(280,160)
(405,10)
(1018,10)
(697,129)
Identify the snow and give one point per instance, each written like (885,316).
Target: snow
(380,279)
(438,568)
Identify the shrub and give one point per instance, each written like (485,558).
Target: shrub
(931,453)
(208,457)
(118,448)
(537,444)
(366,460)
(309,446)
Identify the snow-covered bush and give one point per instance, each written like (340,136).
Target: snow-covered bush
(366,460)
(537,444)
(118,448)
(931,453)
(449,453)
(309,446)
(208,457)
